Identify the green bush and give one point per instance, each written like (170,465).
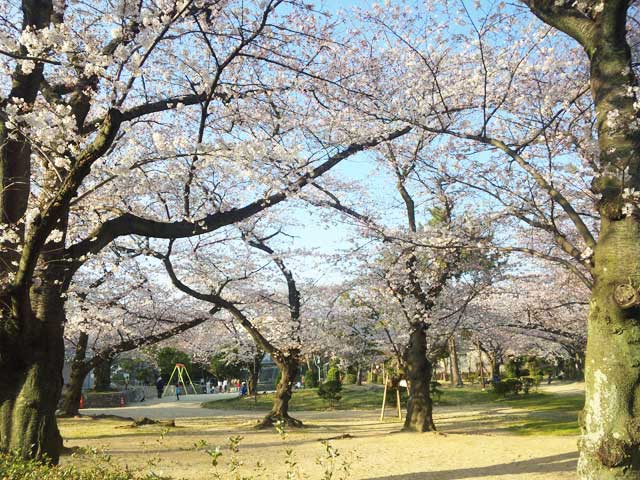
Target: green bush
(13,467)
(350,379)
(333,375)
(508,386)
(436,393)
(330,391)
(514,385)
(529,383)
(311,378)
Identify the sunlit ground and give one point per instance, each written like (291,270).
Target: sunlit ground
(481,437)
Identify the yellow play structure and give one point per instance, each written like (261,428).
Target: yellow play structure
(180,371)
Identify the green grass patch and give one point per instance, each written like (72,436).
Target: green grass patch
(538,413)
(548,415)
(353,398)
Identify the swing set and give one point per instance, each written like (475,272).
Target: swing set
(180,371)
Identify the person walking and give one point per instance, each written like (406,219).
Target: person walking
(160,386)
(178,390)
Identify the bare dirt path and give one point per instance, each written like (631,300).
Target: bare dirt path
(164,408)
(475,443)
(563,388)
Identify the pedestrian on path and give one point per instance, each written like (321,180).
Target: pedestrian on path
(160,386)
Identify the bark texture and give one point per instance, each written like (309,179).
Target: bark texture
(610,423)
(288,366)
(31,382)
(418,370)
(73,392)
(610,441)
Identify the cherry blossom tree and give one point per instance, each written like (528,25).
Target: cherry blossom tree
(90,151)
(106,319)
(274,320)
(525,108)
(417,262)
(525,313)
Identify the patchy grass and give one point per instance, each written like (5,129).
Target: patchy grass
(353,398)
(548,415)
(538,413)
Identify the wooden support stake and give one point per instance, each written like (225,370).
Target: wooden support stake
(384,397)
(398,403)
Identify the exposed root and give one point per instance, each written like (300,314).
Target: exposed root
(344,436)
(272,419)
(138,422)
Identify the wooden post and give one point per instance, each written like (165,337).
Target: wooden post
(384,397)
(481,367)
(398,402)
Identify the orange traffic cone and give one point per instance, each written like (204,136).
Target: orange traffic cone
(122,401)
(81,401)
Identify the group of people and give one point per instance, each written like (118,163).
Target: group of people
(223,386)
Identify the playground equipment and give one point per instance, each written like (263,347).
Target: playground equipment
(180,371)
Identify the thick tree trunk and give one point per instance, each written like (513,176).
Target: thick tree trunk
(288,366)
(418,369)
(79,371)
(456,378)
(102,374)
(31,361)
(610,442)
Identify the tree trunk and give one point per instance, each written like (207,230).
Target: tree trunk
(418,368)
(31,362)
(579,365)
(610,442)
(456,378)
(73,391)
(102,374)
(480,366)
(288,366)
(359,376)
(254,374)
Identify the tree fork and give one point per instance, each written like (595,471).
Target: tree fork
(280,410)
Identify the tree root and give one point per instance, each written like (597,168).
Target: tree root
(272,419)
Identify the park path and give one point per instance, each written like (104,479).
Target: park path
(189,406)
(165,408)
(563,388)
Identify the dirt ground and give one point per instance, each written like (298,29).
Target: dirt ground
(473,443)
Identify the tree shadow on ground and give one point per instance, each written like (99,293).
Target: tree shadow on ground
(565,462)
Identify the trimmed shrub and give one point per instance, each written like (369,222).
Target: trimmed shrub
(509,386)
(310,378)
(529,383)
(350,379)
(330,391)
(333,375)
(514,385)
